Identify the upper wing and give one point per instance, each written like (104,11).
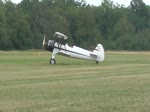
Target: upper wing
(60,35)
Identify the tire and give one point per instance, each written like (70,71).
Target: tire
(52,61)
(96,62)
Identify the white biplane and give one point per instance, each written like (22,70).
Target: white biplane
(58,46)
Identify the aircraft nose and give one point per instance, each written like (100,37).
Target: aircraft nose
(50,45)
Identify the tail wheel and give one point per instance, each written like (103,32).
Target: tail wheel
(52,61)
(96,62)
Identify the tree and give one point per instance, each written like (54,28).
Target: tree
(105,18)
(23,25)
(139,14)
(123,34)
(4,39)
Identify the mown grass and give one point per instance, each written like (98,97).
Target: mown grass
(28,83)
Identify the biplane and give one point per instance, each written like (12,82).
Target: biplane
(60,47)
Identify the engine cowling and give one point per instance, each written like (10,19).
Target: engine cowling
(50,45)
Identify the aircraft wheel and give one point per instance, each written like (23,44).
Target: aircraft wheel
(96,62)
(52,61)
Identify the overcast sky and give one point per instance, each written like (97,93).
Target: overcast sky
(124,2)
(98,2)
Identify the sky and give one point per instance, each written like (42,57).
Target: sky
(98,2)
(124,2)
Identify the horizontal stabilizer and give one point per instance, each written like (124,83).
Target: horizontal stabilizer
(93,55)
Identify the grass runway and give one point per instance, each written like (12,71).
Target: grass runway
(28,83)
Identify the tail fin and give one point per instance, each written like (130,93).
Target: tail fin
(99,50)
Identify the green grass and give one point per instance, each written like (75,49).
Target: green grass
(28,83)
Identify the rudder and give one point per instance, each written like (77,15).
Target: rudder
(99,50)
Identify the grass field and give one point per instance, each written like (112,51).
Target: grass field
(28,83)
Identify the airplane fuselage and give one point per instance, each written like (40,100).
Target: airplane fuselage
(77,52)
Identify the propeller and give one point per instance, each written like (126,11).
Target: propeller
(43,44)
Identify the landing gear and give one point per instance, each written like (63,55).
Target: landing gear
(96,62)
(52,61)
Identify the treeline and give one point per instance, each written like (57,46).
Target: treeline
(117,27)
